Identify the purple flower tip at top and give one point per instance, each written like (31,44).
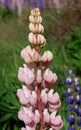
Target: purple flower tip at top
(79,121)
(68,81)
(70,108)
(69,99)
(70,119)
(68,91)
(69,72)
(71,127)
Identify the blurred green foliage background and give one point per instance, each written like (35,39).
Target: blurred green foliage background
(63,35)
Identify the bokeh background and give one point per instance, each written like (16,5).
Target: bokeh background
(62,22)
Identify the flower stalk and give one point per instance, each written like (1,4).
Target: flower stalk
(39,102)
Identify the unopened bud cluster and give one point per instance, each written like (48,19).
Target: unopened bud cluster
(40,103)
(73,100)
(36,28)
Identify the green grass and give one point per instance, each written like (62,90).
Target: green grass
(13,38)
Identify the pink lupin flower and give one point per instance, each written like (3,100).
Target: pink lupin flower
(23,96)
(39,104)
(36,117)
(27,53)
(33,98)
(54,101)
(23,128)
(26,75)
(29,127)
(49,76)
(44,96)
(30,55)
(47,56)
(46,115)
(26,115)
(39,76)
(56,121)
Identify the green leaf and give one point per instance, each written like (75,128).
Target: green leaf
(5,126)
(16,127)
(6,117)
(11,98)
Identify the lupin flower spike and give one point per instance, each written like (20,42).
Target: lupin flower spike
(73,100)
(39,102)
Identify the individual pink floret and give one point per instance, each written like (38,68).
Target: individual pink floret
(29,128)
(49,76)
(54,101)
(24,95)
(30,55)
(33,98)
(44,96)
(39,76)
(47,56)
(28,116)
(46,116)
(56,121)
(26,75)
(36,117)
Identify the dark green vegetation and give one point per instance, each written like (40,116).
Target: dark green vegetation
(65,45)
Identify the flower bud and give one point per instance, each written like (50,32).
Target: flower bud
(35,12)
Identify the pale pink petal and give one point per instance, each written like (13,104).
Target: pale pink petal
(44,96)
(22,97)
(57,123)
(39,76)
(46,116)
(33,98)
(37,117)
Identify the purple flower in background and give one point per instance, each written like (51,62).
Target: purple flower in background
(79,120)
(70,108)
(79,112)
(70,119)
(71,127)
(68,92)
(76,109)
(6,3)
(69,72)
(68,81)
(33,3)
(78,99)
(41,4)
(74,100)
(69,99)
